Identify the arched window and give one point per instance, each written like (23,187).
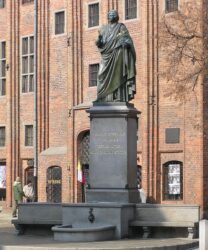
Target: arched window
(173,180)
(54,184)
(85,149)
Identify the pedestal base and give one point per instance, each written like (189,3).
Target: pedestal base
(113,153)
(92,220)
(112,195)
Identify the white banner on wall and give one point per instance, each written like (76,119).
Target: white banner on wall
(174,179)
(2,176)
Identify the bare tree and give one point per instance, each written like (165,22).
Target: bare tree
(183,42)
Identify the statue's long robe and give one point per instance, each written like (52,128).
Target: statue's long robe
(116,76)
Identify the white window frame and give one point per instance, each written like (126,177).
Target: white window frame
(28,146)
(2,60)
(169,13)
(3,125)
(124,12)
(87,17)
(54,23)
(4,5)
(28,74)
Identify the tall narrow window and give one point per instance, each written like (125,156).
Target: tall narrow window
(27,1)
(29,135)
(93,15)
(130,9)
(2,136)
(173,180)
(2,68)
(171,5)
(93,72)
(27,64)
(59,22)
(2,4)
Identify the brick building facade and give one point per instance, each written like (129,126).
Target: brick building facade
(171,150)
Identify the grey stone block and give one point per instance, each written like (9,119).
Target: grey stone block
(148,216)
(115,214)
(40,213)
(113,152)
(37,217)
(203,235)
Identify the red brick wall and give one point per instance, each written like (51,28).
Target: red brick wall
(64,94)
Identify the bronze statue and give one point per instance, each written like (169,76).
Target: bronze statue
(116,76)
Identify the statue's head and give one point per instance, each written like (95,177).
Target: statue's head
(113,16)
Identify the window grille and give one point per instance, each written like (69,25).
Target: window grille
(27,1)
(93,73)
(27,64)
(2,4)
(29,135)
(2,68)
(173,180)
(85,149)
(2,136)
(130,9)
(59,22)
(54,184)
(93,15)
(171,5)
(139,176)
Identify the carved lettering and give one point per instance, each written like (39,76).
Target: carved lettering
(108,143)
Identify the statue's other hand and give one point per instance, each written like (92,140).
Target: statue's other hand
(124,44)
(99,41)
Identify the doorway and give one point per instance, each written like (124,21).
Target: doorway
(84,155)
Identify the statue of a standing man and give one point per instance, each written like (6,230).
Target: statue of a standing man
(117,71)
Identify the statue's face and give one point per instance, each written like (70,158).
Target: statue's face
(112,16)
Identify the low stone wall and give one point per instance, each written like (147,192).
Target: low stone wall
(33,216)
(178,220)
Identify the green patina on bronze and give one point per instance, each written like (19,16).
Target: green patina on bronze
(117,71)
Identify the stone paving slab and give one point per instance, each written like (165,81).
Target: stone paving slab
(10,241)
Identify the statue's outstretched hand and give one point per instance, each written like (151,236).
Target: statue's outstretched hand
(99,41)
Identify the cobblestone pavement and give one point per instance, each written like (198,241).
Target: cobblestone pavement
(9,241)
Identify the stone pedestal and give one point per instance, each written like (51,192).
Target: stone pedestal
(112,189)
(203,235)
(113,153)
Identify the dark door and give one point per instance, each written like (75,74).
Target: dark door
(54,184)
(29,172)
(84,160)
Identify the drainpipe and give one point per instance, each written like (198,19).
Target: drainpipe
(35,132)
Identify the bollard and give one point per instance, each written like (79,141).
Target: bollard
(203,235)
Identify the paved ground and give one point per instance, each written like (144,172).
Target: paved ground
(9,241)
